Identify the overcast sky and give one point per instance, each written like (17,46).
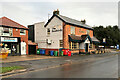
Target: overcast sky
(27,13)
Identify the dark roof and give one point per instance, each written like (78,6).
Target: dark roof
(70,21)
(6,22)
(81,38)
(94,39)
(75,37)
(84,37)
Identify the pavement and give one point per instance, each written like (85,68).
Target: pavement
(25,58)
(50,62)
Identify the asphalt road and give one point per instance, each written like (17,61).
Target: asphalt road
(106,67)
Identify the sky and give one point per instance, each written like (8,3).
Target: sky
(95,12)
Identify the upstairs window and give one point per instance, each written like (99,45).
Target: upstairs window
(5,30)
(22,32)
(72,30)
(48,31)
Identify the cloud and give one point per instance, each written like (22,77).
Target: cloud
(96,13)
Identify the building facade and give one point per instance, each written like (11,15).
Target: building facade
(63,32)
(13,37)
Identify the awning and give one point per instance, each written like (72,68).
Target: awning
(79,39)
(32,43)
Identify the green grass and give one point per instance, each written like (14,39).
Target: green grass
(8,69)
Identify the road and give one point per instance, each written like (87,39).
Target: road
(106,67)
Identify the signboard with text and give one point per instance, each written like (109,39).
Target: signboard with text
(7,39)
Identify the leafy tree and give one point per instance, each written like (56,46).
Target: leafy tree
(111,33)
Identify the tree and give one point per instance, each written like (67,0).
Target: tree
(111,34)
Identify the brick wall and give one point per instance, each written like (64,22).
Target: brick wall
(66,32)
(16,33)
(78,31)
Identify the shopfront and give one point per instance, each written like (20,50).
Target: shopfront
(12,44)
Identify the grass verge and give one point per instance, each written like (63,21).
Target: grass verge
(8,69)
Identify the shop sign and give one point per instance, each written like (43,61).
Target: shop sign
(56,30)
(5,39)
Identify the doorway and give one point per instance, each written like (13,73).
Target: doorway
(14,50)
(86,47)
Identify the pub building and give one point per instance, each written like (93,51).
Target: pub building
(13,37)
(63,32)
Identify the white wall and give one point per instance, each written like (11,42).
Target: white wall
(55,36)
(41,34)
(82,45)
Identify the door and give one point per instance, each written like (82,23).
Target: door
(14,50)
(32,49)
(86,47)
(23,48)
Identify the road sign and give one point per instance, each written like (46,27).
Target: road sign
(117,46)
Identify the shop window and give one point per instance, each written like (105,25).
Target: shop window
(22,32)
(48,31)
(61,43)
(72,30)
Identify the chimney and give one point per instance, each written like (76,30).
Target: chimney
(83,21)
(56,12)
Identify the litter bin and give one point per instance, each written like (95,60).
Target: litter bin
(55,53)
(38,51)
(61,53)
(51,53)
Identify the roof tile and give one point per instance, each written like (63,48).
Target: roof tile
(8,22)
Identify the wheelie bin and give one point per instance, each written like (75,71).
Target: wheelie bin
(65,52)
(61,53)
(42,51)
(38,51)
(55,53)
(51,53)
(69,53)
